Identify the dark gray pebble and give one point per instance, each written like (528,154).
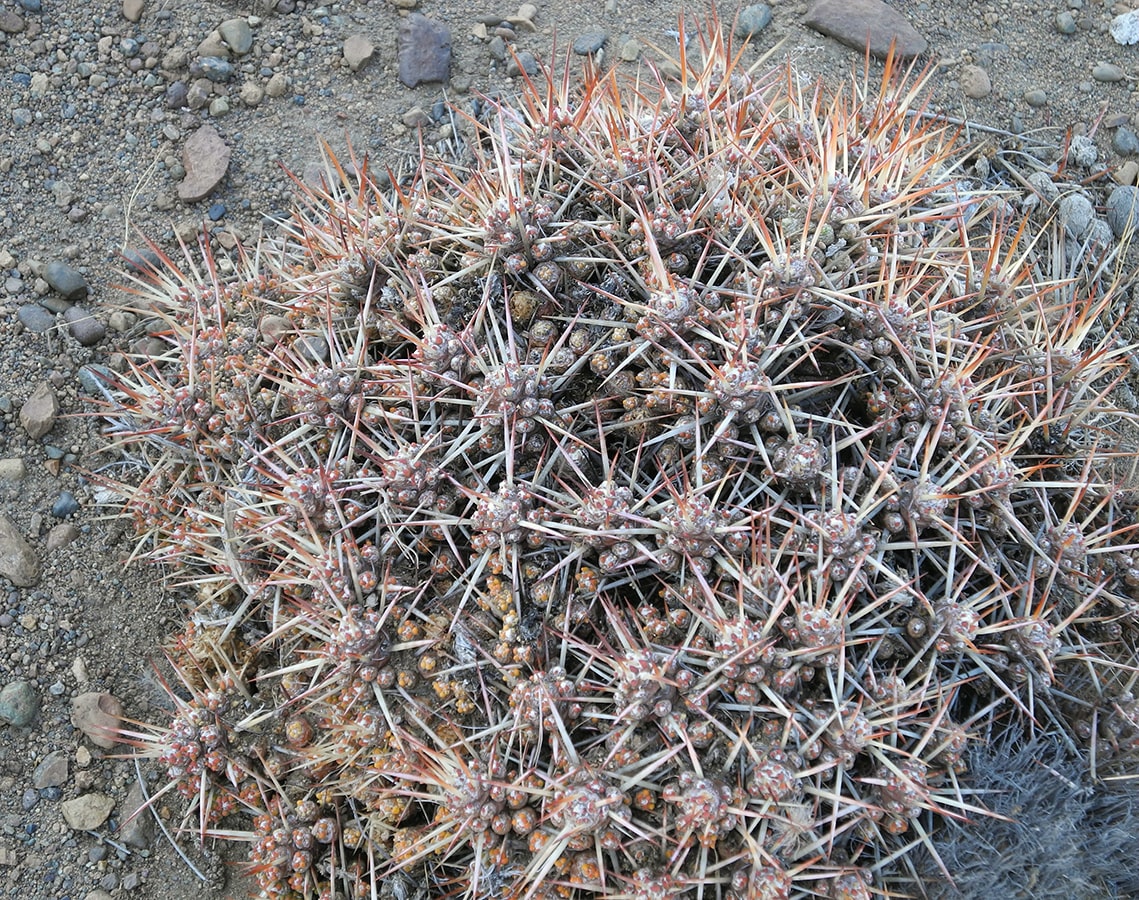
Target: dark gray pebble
(1125,141)
(522,61)
(32,5)
(176,94)
(65,505)
(65,280)
(94,377)
(84,327)
(216,69)
(35,318)
(752,20)
(589,43)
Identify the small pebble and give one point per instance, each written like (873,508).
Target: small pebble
(1125,141)
(65,280)
(975,82)
(1035,97)
(589,43)
(83,326)
(1108,72)
(35,318)
(522,61)
(1065,23)
(237,35)
(752,20)
(65,505)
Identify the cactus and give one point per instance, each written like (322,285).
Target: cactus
(666,505)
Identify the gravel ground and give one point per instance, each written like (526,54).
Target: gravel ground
(97,100)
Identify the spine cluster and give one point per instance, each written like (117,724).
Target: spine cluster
(662,507)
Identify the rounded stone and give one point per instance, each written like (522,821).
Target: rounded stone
(1123,209)
(1108,72)
(975,82)
(1125,141)
(237,35)
(19,703)
(83,326)
(752,20)
(1065,23)
(589,43)
(1035,97)
(65,280)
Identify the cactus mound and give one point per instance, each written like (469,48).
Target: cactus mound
(663,506)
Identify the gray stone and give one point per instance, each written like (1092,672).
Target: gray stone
(12,469)
(589,43)
(237,34)
(1035,97)
(1123,209)
(84,327)
(1065,23)
(522,61)
(132,10)
(88,812)
(60,536)
(35,318)
(65,280)
(38,413)
(866,23)
(277,85)
(206,158)
(1108,72)
(51,772)
(1076,215)
(357,51)
(138,825)
(216,69)
(416,117)
(19,704)
(975,82)
(424,50)
(18,561)
(1125,141)
(65,505)
(98,715)
(631,50)
(10,22)
(752,20)
(497,48)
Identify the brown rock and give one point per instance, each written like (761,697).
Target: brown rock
(38,413)
(975,82)
(206,159)
(18,561)
(866,23)
(88,812)
(97,714)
